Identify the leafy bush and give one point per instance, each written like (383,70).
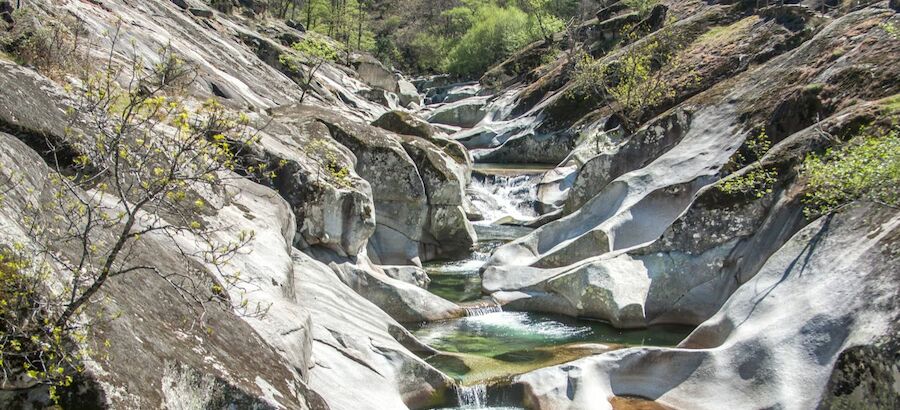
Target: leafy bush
(335,171)
(431,51)
(32,345)
(759,180)
(497,33)
(867,168)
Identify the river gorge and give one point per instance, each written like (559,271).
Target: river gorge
(207,206)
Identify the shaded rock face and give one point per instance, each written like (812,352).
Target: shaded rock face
(413,189)
(749,355)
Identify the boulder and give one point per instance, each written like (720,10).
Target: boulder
(382,97)
(400,201)
(448,231)
(409,274)
(375,74)
(751,354)
(464,114)
(334,211)
(407,124)
(408,94)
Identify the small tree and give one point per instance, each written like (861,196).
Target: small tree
(308,56)
(136,163)
(634,82)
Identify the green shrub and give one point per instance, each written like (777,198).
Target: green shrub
(33,348)
(867,168)
(430,51)
(634,82)
(758,181)
(497,33)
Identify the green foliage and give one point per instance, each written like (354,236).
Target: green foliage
(432,51)
(346,21)
(317,48)
(496,34)
(867,168)
(305,59)
(634,81)
(891,29)
(758,181)
(891,104)
(464,37)
(328,159)
(33,348)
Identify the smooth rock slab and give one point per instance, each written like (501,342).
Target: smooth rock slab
(833,286)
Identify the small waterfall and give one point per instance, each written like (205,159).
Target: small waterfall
(500,196)
(483,310)
(472,397)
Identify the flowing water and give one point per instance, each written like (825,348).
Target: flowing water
(493,347)
(488,347)
(505,194)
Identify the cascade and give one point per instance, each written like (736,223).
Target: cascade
(505,196)
(472,397)
(483,310)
